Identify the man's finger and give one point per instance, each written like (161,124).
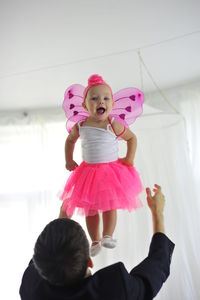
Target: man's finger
(157,186)
(148,192)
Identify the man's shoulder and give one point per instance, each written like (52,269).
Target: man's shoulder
(113,267)
(112,272)
(109,282)
(31,280)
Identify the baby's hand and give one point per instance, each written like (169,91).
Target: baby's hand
(71,165)
(126,161)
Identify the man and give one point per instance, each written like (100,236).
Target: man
(60,266)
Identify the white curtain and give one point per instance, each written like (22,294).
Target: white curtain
(31,173)
(32,156)
(162,157)
(186,100)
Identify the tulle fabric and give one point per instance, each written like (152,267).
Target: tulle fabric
(93,188)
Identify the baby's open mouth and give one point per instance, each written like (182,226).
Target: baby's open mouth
(101,110)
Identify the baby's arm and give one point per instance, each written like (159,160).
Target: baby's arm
(69,148)
(131,140)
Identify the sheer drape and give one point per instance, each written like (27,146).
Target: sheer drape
(162,157)
(31,173)
(185,99)
(32,156)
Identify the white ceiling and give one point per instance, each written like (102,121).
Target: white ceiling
(46,45)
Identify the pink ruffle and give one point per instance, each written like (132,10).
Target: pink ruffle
(93,188)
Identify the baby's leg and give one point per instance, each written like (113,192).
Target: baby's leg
(109,222)
(92,223)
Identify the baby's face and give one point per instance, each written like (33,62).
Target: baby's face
(99,102)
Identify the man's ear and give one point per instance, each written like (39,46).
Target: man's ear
(90,263)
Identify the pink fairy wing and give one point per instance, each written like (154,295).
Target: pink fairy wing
(128,104)
(72,105)
(73,120)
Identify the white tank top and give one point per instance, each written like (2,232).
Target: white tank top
(98,145)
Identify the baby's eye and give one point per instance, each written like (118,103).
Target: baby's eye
(106,98)
(94,98)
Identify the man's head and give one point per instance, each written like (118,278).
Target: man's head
(61,252)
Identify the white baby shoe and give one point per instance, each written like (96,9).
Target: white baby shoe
(108,242)
(95,248)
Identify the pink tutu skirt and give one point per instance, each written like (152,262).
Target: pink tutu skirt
(93,188)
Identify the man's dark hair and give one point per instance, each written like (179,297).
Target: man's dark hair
(61,252)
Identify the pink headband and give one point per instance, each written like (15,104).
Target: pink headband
(94,80)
